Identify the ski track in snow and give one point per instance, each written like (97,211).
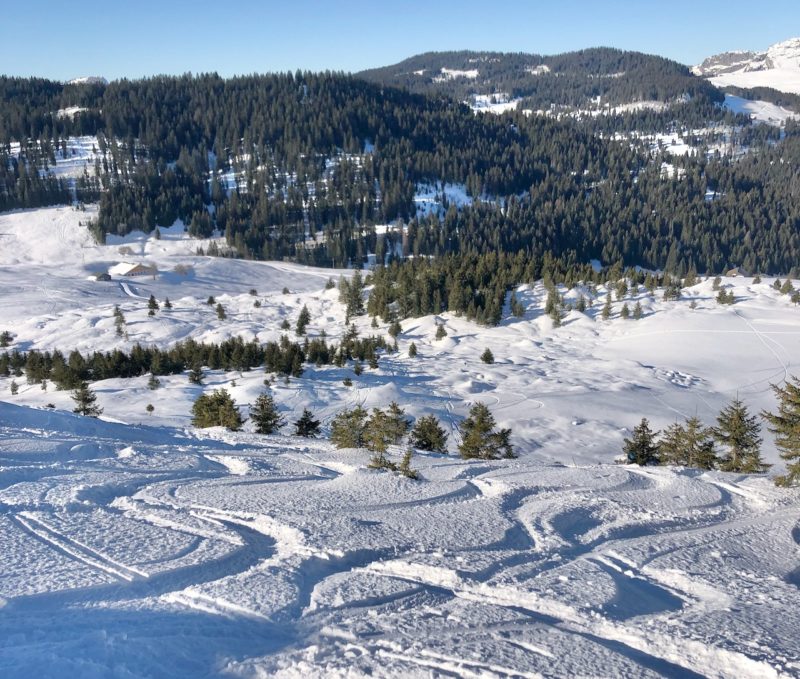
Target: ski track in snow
(564,570)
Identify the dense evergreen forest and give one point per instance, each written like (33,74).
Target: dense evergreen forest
(304,166)
(570,79)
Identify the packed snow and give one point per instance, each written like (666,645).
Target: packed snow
(138,546)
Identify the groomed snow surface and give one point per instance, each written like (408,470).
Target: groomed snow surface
(136,546)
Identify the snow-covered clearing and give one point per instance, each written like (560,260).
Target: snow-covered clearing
(136,546)
(760,111)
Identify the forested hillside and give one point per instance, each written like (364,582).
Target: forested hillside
(304,166)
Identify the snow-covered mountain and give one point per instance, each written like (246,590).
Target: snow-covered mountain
(778,67)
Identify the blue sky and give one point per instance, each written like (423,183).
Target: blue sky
(60,39)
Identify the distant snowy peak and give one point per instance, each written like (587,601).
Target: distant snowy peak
(777,67)
(89,80)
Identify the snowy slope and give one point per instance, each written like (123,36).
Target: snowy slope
(139,544)
(156,553)
(778,67)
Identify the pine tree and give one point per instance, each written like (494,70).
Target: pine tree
(303,320)
(167,303)
(738,432)
(427,434)
(152,305)
(405,466)
(641,448)
(85,401)
(699,445)
(441,332)
(348,428)
(216,409)
(395,329)
(221,312)
(671,449)
(487,356)
(480,440)
(785,425)
(149,408)
(637,310)
(625,312)
(14,387)
(517,307)
(606,313)
(306,426)
(412,350)
(196,375)
(265,414)
(398,424)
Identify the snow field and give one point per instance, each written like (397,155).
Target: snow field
(137,543)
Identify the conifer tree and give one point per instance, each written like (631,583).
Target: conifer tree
(785,425)
(641,448)
(348,428)
(412,350)
(625,312)
(738,432)
(698,444)
(606,313)
(221,312)
(441,332)
(395,329)
(153,383)
(487,356)
(398,424)
(196,375)
(637,310)
(428,434)
(14,387)
(302,321)
(167,303)
(306,425)
(217,409)
(152,305)
(405,466)
(265,414)
(85,401)
(479,439)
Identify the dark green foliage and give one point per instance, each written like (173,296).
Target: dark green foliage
(14,388)
(221,312)
(641,448)
(152,305)
(690,446)
(397,424)
(5,339)
(153,382)
(348,428)
(441,332)
(302,321)
(264,413)
(637,310)
(606,313)
(625,311)
(216,409)
(395,329)
(196,375)
(725,297)
(85,401)
(517,307)
(404,467)
(306,425)
(167,303)
(738,433)
(480,440)
(351,294)
(211,301)
(785,426)
(412,350)
(487,356)
(428,434)
(149,408)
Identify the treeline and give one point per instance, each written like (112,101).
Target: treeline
(303,166)
(570,79)
(283,357)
